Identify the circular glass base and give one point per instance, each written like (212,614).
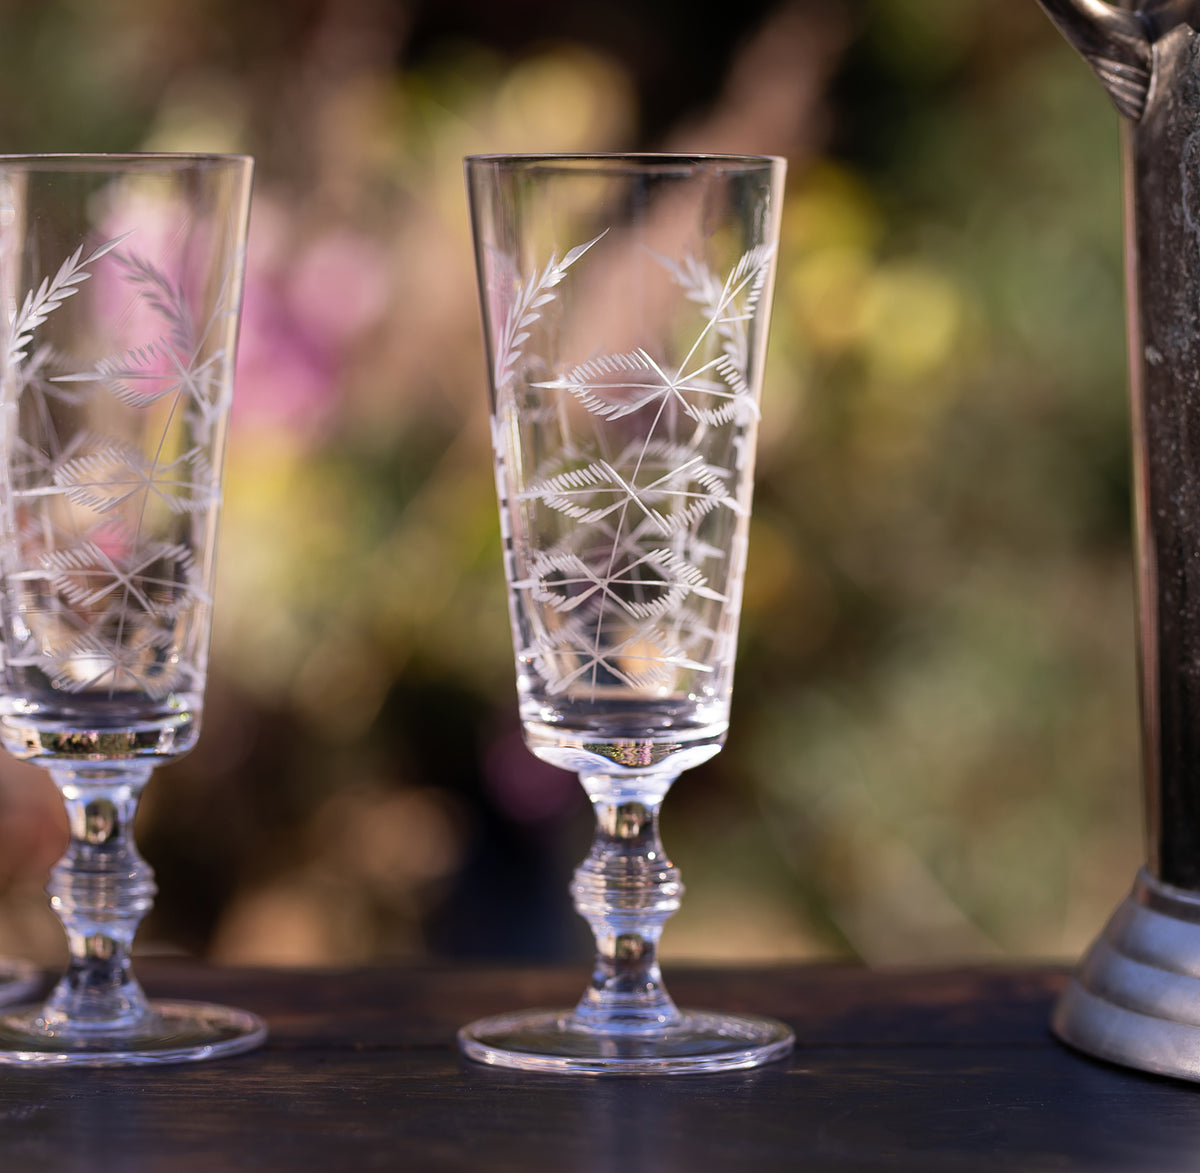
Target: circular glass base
(554,1040)
(18,980)
(178,1032)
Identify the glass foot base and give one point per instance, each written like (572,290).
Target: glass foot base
(178,1032)
(553,1040)
(18,980)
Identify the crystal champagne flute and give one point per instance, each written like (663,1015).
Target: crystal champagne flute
(120,293)
(625,306)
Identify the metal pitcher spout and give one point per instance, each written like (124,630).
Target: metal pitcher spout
(1116,44)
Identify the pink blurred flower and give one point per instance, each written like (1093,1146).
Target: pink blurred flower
(339,286)
(301,315)
(286,375)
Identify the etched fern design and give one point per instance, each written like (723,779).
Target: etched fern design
(646,659)
(164,296)
(531,299)
(729,304)
(139,662)
(52,292)
(170,364)
(112,473)
(623,596)
(107,602)
(644,587)
(666,483)
(87,576)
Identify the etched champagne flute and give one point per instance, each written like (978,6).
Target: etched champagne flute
(625,306)
(120,292)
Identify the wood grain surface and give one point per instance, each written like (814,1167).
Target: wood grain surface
(924,1071)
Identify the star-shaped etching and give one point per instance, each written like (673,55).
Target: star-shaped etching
(143,661)
(645,659)
(613,386)
(144,374)
(668,485)
(652,583)
(111,474)
(154,577)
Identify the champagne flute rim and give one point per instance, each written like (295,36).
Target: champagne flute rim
(112,161)
(605,161)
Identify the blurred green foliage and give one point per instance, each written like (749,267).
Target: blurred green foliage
(933,752)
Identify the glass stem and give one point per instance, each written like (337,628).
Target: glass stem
(100,889)
(626,889)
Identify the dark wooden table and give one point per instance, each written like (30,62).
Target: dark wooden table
(927,1071)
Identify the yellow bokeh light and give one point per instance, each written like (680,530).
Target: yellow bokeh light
(910,319)
(567,99)
(826,292)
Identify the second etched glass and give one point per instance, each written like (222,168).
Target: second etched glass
(625,305)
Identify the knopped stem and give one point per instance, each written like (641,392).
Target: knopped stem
(100,889)
(626,889)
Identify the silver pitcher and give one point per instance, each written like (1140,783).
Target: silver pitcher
(1135,998)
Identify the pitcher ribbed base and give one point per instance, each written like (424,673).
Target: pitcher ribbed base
(1135,999)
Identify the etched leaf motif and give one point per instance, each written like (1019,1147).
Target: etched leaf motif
(561,579)
(644,587)
(138,377)
(687,630)
(598,385)
(34,374)
(32,466)
(170,364)
(163,295)
(646,659)
(613,385)
(158,578)
(665,483)
(621,598)
(141,662)
(53,291)
(115,607)
(116,472)
(531,299)
(720,299)
(615,538)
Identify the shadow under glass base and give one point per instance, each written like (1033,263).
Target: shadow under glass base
(176,1032)
(554,1041)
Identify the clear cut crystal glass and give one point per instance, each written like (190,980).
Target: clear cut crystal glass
(120,293)
(625,307)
